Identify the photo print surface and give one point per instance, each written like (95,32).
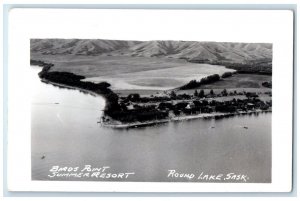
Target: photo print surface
(151,110)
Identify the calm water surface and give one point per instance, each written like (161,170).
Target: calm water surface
(66,132)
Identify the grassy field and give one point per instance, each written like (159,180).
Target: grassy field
(148,76)
(132,73)
(240,81)
(93,66)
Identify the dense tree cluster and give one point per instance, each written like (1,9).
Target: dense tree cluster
(251,95)
(226,74)
(260,66)
(267,84)
(140,114)
(206,80)
(74,80)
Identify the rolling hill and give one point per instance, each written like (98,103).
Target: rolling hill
(202,52)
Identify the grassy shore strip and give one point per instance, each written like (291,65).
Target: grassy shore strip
(120,125)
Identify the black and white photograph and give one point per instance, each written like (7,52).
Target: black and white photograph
(151,100)
(161,111)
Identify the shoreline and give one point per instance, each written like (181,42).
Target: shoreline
(179,118)
(118,125)
(156,122)
(70,87)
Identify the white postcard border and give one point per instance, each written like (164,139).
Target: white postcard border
(273,26)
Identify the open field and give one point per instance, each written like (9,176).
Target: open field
(148,76)
(142,92)
(132,73)
(163,79)
(94,66)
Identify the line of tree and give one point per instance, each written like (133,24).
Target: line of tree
(226,74)
(206,80)
(139,115)
(199,94)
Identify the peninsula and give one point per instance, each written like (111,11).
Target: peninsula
(146,83)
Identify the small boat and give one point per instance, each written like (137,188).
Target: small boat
(245,127)
(212,127)
(43,157)
(56,103)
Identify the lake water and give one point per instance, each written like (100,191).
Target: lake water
(65,132)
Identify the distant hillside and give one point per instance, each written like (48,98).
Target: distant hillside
(247,54)
(78,46)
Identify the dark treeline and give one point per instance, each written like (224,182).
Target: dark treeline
(138,98)
(260,66)
(173,96)
(138,114)
(267,84)
(74,80)
(206,80)
(227,74)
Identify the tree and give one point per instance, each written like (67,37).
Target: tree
(123,107)
(196,93)
(173,95)
(201,93)
(176,112)
(206,80)
(224,92)
(133,97)
(251,95)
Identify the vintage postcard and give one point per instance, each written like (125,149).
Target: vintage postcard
(151,100)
